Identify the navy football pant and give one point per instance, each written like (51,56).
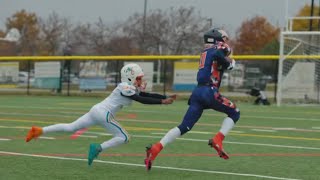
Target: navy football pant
(206,97)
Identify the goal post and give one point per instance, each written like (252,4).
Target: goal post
(299,78)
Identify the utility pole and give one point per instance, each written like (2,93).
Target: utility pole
(144,26)
(311,14)
(319,15)
(210,22)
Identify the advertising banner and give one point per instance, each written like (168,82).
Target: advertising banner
(9,74)
(185,76)
(93,75)
(47,75)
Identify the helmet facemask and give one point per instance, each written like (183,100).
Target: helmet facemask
(140,83)
(224,36)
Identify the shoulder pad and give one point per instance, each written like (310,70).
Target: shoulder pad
(126,89)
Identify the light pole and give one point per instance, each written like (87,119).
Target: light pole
(144,25)
(311,14)
(210,22)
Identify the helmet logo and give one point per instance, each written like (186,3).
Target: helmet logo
(131,70)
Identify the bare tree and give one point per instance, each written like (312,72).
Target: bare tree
(80,39)
(52,31)
(177,31)
(93,38)
(185,36)
(101,36)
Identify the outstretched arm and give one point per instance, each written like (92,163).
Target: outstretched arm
(129,91)
(153,95)
(150,100)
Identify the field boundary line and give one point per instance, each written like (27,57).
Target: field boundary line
(158,167)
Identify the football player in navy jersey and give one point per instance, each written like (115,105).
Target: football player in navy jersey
(213,62)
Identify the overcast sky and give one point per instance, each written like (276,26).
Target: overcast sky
(229,13)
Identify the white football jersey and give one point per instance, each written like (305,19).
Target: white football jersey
(115,101)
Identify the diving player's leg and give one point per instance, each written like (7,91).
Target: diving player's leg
(191,117)
(120,136)
(82,122)
(223,104)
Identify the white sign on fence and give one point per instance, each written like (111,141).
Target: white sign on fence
(47,70)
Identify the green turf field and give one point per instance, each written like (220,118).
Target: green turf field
(267,143)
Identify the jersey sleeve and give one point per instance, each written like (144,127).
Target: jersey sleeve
(145,100)
(126,89)
(222,59)
(152,95)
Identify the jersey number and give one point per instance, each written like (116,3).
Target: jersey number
(202,59)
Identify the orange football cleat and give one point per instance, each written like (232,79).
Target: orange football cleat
(216,143)
(34,132)
(152,152)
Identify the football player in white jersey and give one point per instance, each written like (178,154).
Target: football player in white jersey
(131,88)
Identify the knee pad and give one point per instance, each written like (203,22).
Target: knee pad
(184,129)
(234,115)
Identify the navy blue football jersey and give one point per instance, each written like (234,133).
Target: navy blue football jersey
(211,65)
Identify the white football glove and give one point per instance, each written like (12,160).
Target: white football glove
(232,65)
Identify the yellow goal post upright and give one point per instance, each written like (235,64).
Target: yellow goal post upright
(299,67)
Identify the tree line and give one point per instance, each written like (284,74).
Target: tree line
(172,31)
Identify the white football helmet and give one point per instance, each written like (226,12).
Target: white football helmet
(130,72)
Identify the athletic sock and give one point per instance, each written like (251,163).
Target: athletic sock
(173,134)
(226,126)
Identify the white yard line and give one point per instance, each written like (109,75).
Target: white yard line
(45,137)
(212,133)
(14,127)
(4,139)
(189,139)
(146,111)
(74,116)
(159,133)
(264,130)
(227,142)
(231,142)
(88,136)
(233,131)
(158,167)
(273,145)
(98,133)
(285,128)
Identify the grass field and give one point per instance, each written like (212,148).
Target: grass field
(267,143)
